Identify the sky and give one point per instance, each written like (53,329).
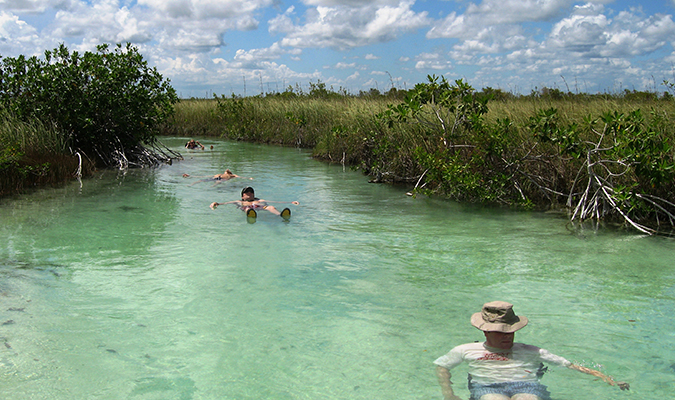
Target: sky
(249,47)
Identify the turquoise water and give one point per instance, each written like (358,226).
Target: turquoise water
(129,286)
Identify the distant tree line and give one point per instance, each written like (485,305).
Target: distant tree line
(319,90)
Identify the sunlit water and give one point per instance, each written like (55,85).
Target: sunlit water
(129,286)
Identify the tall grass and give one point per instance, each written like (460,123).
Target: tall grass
(345,129)
(334,127)
(33,154)
(576,109)
(28,137)
(194,117)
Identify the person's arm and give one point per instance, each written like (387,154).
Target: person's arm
(598,374)
(446,384)
(216,204)
(242,177)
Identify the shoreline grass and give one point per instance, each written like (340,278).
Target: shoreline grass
(523,151)
(32,155)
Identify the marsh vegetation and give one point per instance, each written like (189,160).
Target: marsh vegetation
(603,157)
(72,111)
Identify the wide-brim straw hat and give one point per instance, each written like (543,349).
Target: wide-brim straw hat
(498,316)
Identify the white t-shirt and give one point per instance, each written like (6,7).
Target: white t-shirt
(521,363)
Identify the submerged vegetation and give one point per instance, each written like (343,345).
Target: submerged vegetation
(601,157)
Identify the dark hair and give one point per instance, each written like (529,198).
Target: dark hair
(247,189)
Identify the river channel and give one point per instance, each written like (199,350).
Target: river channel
(128,286)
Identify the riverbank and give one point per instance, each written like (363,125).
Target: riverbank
(347,130)
(597,156)
(40,170)
(32,156)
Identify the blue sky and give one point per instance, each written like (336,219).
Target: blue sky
(208,47)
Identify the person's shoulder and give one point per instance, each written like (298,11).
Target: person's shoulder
(526,347)
(470,346)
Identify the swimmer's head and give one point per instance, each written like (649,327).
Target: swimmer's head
(247,189)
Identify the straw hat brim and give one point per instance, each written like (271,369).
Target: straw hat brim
(478,321)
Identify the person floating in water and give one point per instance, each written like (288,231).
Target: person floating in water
(218,178)
(250,204)
(193,144)
(500,369)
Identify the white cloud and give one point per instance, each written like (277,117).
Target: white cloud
(27,6)
(591,34)
(17,36)
(190,40)
(517,11)
(253,58)
(101,22)
(434,61)
(205,9)
(353,76)
(342,27)
(509,42)
(177,25)
(496,14)
(342,65)
(351,3)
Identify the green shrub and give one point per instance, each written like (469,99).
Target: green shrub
(107,105)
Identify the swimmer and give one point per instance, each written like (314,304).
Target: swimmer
(250,203)
(193,144)
(218,178)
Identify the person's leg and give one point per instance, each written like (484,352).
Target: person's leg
(528,391)
(495,391)
(272,210)
(519,396)
(525,396)
(494,396)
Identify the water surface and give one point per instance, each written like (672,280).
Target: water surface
(128,286)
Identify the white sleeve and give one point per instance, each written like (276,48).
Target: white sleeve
(551,358)
(450,360)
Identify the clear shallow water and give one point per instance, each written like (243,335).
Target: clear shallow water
(131,287)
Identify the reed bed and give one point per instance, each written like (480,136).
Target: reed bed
(33,154)
(575,109)
(346,129)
